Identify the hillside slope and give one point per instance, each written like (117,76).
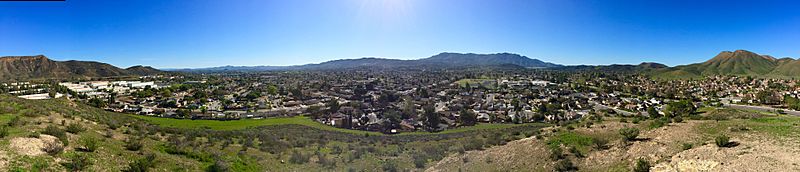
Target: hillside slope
(739,62)
(40,67)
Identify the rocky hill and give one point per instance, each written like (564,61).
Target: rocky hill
(41,67)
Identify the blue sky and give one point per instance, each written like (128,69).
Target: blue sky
(205,33)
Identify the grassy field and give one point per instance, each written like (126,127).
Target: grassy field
(243,124)
(488,83)
(298,120)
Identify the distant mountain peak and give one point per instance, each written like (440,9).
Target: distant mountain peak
(652,65)
(486,59)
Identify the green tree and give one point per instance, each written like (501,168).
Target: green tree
(431,118)
(652,112)
(468,118)
(680,108)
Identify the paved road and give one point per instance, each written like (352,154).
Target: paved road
(761,108)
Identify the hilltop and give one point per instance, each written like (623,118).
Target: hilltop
(739,62)
(41,67)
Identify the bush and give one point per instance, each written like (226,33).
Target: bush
(142,165)
(677,119)
(218,166)
(722,141)
(77,162)
(600,143)
(56,132)
(133,144)
(642,166)
(298,158)
(419,161)
(658,123)
(88,144)
(556,153)
(576,152)
(565,165)
(3,131)
(390,166)
(16,121)
(75,128)
(687,146)
(52,148)
(629,134)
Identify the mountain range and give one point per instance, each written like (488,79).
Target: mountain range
(14,68)
(436,61)
(739,62)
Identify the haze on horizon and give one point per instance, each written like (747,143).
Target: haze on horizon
(190,34)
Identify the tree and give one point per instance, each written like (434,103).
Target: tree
(652,112)
(97,102)
(392,119)
(333,106)
(408,108)
(767,97)
(680,108)
(431,118)
(272,90)
(468,118)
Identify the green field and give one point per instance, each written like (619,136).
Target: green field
(298,120)
(242,124)
(488,83)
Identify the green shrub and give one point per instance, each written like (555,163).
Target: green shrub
(600,143)
(75,128)
(390,166)
(298,158)
(56,132)
(142,165)
(419,160)
(686,146)
(677,119)
(576,152)
(133,144)
(16,121)
(722,141)
(77,162)
(52,148)
(218,166)
(556,153)
(629,134)
(88,144)
(642,166)
(658,123)
(3,131)
(565,165)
